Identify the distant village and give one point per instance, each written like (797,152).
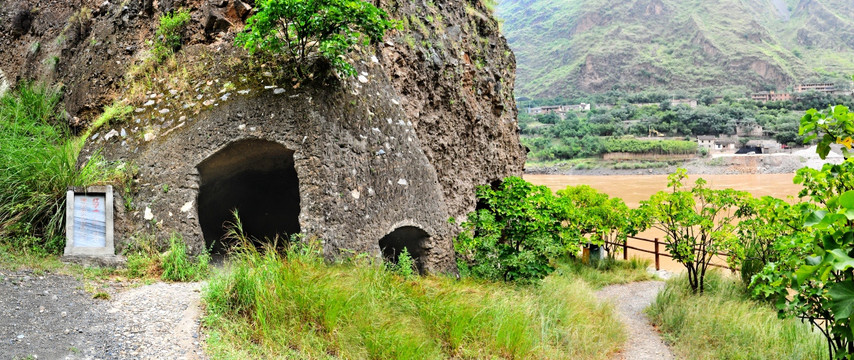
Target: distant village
(764,97)
(749,138)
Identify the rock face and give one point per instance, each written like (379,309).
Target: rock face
(369,164)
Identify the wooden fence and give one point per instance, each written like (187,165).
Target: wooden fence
(657,252)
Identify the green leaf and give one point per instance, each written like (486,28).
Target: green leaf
(805,272)
(842,299)
(847,200)
(840,260)
(815,218)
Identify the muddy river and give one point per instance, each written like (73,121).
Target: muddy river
(634,188)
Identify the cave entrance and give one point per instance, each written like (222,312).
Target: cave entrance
(258,179)
(409,237)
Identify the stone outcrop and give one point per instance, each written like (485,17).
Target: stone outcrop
(386,157)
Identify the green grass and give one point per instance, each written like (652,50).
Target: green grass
(115,112)
(633,165)
(607,272)
(724,323)
(14,257)
(178,266)
(267,305)
(38,162)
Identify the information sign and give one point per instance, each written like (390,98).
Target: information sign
(89,221)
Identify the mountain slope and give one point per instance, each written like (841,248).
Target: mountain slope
(564,47)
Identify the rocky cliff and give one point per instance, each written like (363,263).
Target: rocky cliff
(378,161)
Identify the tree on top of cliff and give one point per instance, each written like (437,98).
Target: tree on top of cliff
(299,28)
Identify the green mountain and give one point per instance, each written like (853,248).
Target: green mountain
(568,47)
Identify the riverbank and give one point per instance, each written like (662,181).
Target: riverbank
(718,164)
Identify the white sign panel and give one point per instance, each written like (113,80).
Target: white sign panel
(90,220)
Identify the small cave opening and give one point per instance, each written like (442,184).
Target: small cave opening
(258,179)
(411,238)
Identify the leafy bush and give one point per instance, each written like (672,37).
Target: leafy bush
(405,265)
(168,37)
(295,305)
(596,218)
(299,28)
(177,265)
(654,146)
(813,279)
(697,223)
(515,235)
(38,162)
(768,228)
(723,323)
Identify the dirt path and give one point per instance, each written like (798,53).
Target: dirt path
(53,317)
(630,300)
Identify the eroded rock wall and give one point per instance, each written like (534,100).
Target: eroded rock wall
(429,117)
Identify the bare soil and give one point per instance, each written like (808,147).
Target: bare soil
(49,316)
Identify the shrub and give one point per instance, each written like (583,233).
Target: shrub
(814,277)
(38,162)
(168,37)
(516,235)
(770,225)
(405,264)
(598,219)
(698,223)
(299,28)
(651,146)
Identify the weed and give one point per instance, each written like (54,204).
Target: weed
(405,266)
(168,36)
(101,296)
(177,265)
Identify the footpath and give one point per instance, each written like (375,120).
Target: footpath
(644,342)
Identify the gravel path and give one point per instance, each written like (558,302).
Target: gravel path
(630,300)
(53,317)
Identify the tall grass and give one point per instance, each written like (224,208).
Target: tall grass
(606,271)
(37,164)
(268,305)
(177,264)
(723,323)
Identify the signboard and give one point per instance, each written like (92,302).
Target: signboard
(89,221)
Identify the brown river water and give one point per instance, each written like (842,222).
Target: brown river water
(634,188)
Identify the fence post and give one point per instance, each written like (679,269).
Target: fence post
(657,266)
(626,249)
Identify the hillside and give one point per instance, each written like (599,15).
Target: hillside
(567,47)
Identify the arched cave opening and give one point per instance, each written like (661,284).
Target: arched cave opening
(258,179)
(411,238)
